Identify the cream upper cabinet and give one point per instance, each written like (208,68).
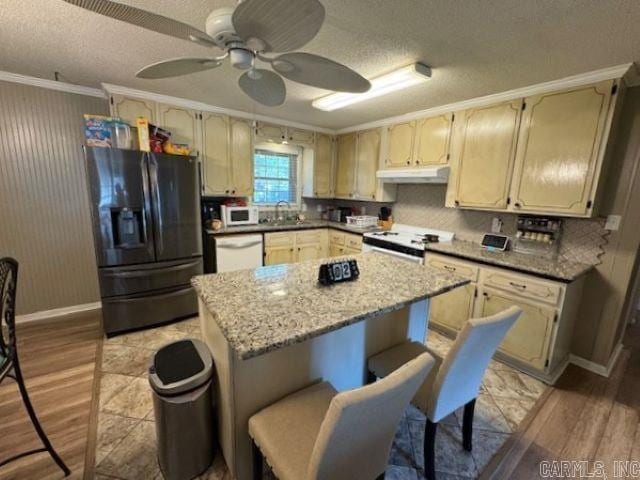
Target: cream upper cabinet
(431,141)
(452,309)
(241,157)
(530,337)
(128,109)
(483,154)
(559,150)
(323,166)
(367,160)
(183,124)
(400,145)
(270,132)
(346,165)
(215,154)
(297,136)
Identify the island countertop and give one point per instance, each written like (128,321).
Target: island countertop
(271,307)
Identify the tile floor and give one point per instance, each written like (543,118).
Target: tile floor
(126,430)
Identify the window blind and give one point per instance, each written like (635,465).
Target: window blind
(275,177)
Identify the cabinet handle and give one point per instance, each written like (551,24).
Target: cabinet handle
(517,205)
(291,249)
(451,269)
(518,285)
(456,203)
(233,191)
(226,191)
(298,248)
(485,294)
(417,162)
(408,162)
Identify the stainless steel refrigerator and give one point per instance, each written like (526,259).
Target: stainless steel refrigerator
(146,226)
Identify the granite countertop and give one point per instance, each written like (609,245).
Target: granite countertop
(306,225)
(557,269)
(271,307)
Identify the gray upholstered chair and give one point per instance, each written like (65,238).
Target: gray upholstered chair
(455,380)
(320,434)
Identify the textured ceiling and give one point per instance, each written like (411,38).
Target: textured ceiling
(475,48)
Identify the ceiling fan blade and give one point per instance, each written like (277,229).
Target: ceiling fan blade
(266,87)
(145,19)
(282,25)
(177,66)
(320,72)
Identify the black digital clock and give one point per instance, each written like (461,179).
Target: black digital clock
(336,272)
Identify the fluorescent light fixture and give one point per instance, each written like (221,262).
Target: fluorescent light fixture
(397,80)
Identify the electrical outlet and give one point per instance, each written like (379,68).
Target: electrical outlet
(496,225)
(613,222)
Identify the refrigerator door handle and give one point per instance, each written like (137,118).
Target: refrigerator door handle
(146,212)
(157,214)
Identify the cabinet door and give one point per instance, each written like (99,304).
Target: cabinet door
(241,157)
(559,149)
(351,251)
(336,250)
(181,122)
(128,109)
(268,131)
(308,252)
(486,155)
(322,166)
(529,339)
(278,255)
(400,145)
(453,309)
(345,176)
(431,144)
(297,136)
(368,157)
(215,154)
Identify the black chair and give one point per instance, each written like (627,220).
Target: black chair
(9,364)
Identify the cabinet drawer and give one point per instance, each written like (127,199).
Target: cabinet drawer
(336,238)
(523,286)
(353,241)
(308,236)
(282,239)
(453,266)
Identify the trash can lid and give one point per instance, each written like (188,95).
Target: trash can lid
(179,367)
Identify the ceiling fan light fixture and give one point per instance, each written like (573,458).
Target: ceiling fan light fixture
(400,79)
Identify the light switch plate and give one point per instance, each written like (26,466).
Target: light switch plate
(496,225)
(613,222)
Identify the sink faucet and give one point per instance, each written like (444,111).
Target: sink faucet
(278,208)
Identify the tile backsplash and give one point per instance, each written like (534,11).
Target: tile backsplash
(423,206)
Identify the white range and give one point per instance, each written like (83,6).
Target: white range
(404,241)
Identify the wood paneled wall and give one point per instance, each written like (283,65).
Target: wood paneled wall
(44,210)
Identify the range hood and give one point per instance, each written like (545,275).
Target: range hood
(436,174)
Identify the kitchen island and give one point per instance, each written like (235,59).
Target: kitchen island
(275,330)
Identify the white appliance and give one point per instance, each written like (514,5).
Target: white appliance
(437,174)
(238,252)
(403,241)
(232,216)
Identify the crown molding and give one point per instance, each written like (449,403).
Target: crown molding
(627,71)
(51,84)
(205,107)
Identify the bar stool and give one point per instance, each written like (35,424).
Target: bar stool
(455,380)
(320,434)
(9,364)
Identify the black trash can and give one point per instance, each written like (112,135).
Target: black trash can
(180,375)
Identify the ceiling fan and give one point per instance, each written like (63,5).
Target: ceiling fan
(245,35)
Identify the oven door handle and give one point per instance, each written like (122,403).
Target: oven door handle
(393,253)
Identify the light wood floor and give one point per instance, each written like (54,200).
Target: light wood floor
(586,417)
(58,362)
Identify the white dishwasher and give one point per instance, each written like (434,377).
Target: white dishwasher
(238,252)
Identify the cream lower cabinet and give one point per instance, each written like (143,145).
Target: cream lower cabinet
(539,342)
(293,247)
(342,243)
(529,339)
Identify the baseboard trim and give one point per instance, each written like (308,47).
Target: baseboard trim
(603,370)
(57,312)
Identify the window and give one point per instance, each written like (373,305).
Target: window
(275,177)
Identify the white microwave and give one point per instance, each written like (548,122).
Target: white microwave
(232,216)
